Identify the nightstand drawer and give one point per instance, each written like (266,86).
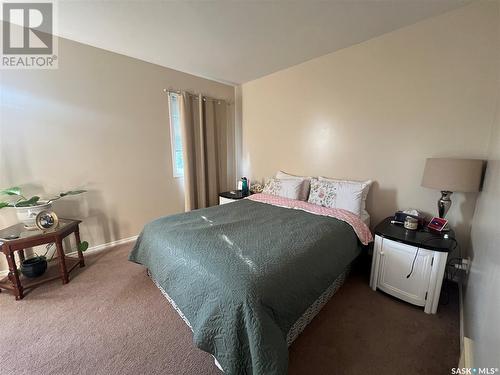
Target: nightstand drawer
(230,196)
(223,200)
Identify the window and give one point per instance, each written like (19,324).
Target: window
(175,134)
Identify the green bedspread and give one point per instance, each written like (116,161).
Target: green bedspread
(243,273)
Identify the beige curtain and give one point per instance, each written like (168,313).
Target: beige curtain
(208,144)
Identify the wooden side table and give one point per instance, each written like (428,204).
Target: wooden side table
(16,239)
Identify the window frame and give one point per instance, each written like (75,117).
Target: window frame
(175,169)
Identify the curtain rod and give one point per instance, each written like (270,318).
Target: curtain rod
(204,97)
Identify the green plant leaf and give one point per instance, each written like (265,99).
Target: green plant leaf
(28,202)
(4,204)
(71,192)
(83,246)
(11,191)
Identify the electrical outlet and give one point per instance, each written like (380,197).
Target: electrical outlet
(464,265)
(467,263)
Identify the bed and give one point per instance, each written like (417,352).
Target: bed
(248,276)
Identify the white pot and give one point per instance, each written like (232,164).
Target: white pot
(27,215)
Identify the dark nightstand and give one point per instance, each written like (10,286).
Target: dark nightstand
(423,238)
(231,196)
(410,264)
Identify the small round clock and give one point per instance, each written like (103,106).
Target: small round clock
(46,220)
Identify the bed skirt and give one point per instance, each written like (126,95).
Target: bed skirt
(315,308)
(298,326)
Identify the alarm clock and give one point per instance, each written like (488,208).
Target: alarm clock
(438,224)
(46,220)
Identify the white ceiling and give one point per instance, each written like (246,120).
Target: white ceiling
(236,42)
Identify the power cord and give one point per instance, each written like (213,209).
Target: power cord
(424,242)
(449,275)
(413,263)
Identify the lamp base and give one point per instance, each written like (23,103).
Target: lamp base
(444,203)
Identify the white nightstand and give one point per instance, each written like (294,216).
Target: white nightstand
(230,196)
(396,249)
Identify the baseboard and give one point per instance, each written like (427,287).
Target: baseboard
(466,344)
(94,249)
(467,356)
(461,311)
(104,246)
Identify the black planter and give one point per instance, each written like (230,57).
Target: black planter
(34,267)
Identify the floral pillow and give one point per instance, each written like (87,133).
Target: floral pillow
(304,190)
(287,188)
(348,194)
(323,193)
(272,186)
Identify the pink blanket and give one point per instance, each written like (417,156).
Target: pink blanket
(360,228)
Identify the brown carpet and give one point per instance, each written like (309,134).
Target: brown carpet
(111,319)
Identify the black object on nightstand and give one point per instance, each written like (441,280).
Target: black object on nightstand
(424,238)
(233,194)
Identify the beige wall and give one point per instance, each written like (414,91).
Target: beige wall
(99,122)
(482,294)
(378,109)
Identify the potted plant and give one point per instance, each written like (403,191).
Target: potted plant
(34,267)
(28,208)
(37,265)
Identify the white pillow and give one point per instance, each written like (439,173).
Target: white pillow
(363,185)
(304,191)
(286,188)
(335,194)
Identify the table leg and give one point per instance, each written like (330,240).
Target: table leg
(62,261)
(21,255)
(14,277)
(80,254)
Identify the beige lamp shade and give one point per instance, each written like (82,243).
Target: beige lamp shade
(455,175)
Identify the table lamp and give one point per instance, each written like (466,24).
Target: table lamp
(452,175)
